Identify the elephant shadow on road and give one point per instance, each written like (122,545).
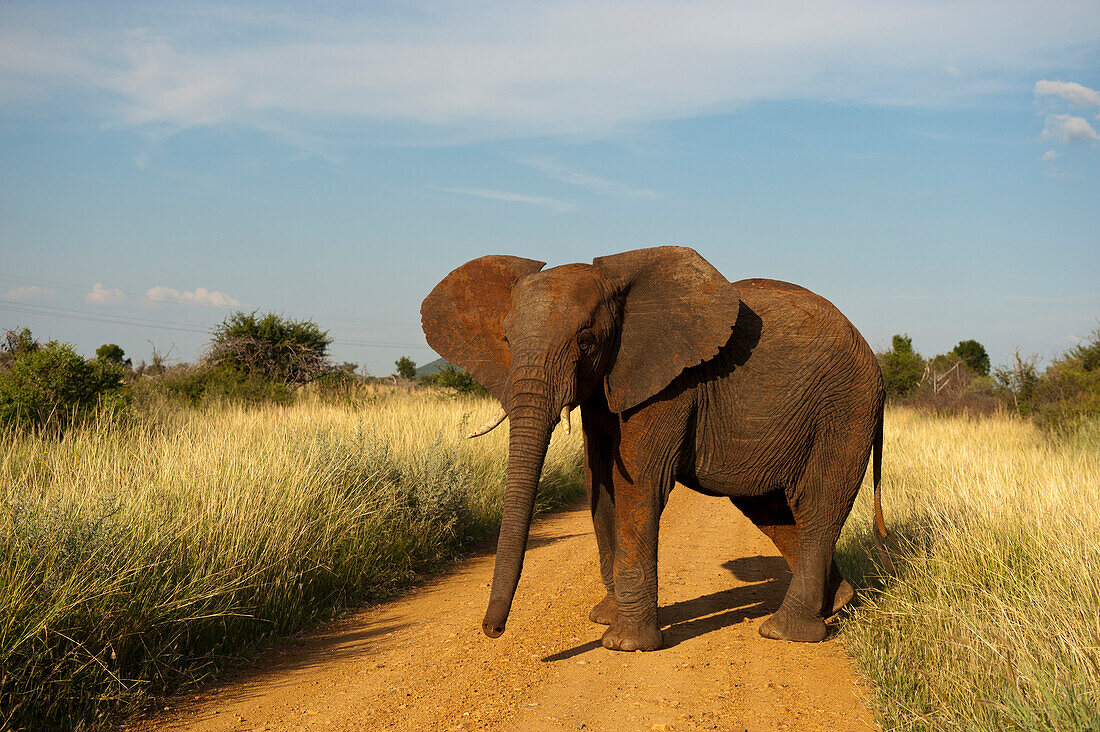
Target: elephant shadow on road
(766,581)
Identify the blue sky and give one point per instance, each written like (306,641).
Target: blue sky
(932,168)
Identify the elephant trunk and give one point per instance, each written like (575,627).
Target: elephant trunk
(531,421)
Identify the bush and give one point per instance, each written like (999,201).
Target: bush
(452,377)
(113,354)
(949,386)
(51,384)
(973,353)
(271,347)
(207,384)
(406,367)
(1067,396)
(902,367)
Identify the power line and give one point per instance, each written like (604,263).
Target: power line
(138,322)
(135,322)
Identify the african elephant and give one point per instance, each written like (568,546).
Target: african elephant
(757,390)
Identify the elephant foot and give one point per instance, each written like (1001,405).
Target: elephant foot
(787,626)
(623,636)
(605,610)
(841,596)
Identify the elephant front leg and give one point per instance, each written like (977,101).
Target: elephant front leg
(601,502)
(634,625)
(603,522)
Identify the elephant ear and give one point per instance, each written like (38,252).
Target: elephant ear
(462,317)
(678,311)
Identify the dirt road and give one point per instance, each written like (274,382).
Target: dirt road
(422,663)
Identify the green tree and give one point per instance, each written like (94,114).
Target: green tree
(270,346)
(16,343)
(112,353)
(973,353)
(902,367)
(50,384)
(406,367)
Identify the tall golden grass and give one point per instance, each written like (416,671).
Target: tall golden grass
(994,620)
(139,555)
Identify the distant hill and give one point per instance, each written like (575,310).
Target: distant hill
(433,367)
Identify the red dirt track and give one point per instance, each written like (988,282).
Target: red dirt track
(422,663)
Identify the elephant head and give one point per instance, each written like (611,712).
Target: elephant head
(543,341)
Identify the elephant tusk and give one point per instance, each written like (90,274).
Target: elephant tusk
(565,418)
(489,426)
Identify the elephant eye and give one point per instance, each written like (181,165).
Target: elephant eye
(586,339)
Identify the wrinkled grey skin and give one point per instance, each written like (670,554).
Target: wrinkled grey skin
(757,390)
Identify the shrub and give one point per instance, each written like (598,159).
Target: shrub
(406,367)
(902,367)
(452,377)
(113,354)
(973,353)
(1019,381)
(50,384)
(270,346)
(1068,394)
(949,386)
(207,384)
(16,343)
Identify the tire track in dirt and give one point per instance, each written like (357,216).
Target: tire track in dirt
(422,663)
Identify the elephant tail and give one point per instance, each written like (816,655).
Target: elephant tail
(881,535)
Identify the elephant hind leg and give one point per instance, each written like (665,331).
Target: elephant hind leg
(820,503)
(773,517)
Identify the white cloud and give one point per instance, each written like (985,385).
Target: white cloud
(953,70)
(1072,92)
(553,169)
(1068,129)
(28,292)
(200,296)
(497,68)
(101,295)
(510,197)
(1049,156)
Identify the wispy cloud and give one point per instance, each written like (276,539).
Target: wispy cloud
(511,197)
(1072,92)
(497,68)
(1068,129)
(28,292)
(200,296)
(101,295)
(551,168)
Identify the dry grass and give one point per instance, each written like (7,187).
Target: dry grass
(142,556)
(139,556)
(994,621)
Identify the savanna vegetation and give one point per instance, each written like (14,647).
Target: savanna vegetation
(160,522)
(142,555)
(993,622)
(1061,398)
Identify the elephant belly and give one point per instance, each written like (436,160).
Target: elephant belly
(745,467)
